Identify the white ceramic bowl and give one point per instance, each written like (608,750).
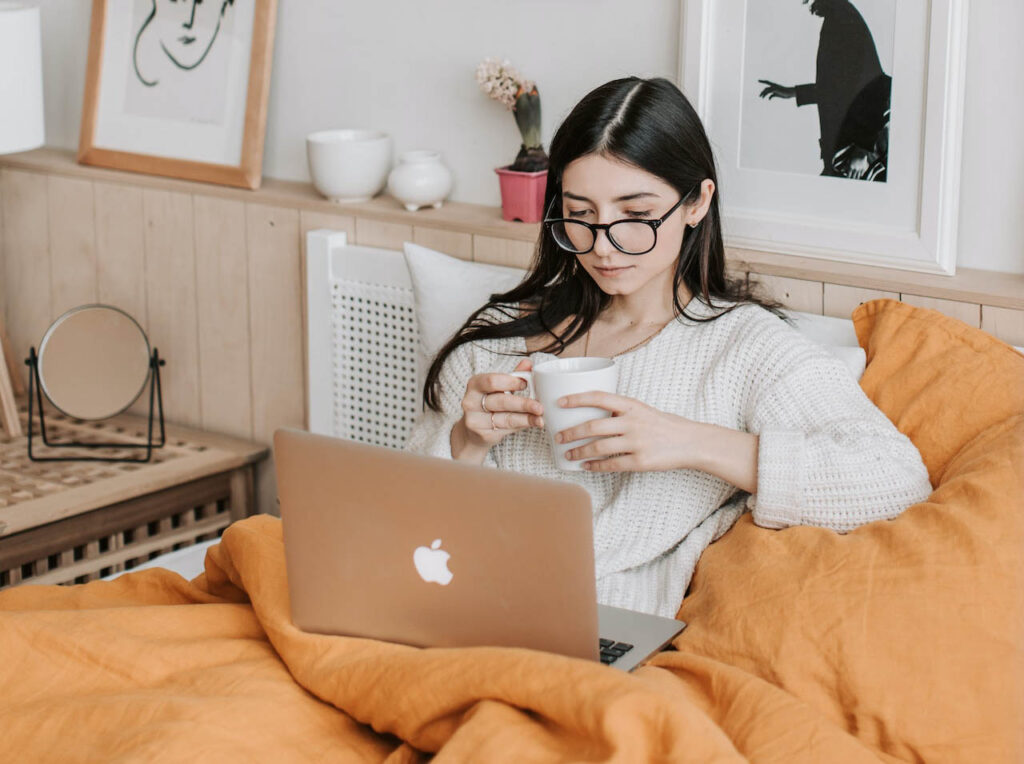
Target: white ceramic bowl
(349,165)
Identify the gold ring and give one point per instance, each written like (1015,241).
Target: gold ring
(493,425)
(483,405)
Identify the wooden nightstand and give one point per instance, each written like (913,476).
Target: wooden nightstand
(70,522)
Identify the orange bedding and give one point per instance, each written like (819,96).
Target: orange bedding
(900,641)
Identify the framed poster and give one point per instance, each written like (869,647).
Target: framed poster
(179,88)
(836,124)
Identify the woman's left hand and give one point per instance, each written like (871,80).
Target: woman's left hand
(636,437)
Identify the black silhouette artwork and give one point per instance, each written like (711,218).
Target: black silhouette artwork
(185,30)
(852,94)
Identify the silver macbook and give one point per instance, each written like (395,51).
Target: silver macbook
(436,553)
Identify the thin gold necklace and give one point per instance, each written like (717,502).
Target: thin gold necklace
(586,343)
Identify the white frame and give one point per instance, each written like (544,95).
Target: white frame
(933,246)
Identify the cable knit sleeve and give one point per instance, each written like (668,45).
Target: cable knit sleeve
(431,432)
(827,456)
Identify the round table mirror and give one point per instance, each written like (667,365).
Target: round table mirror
(94,362)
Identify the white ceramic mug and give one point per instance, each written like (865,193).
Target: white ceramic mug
(550,380)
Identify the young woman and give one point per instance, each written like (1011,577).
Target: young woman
(721,405)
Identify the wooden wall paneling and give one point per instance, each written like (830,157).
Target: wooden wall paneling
(3,259)
(72,218)
(1000,289)
(311,220)
(968,285)
(1004,323)
(121,258)
(841,301)
(11,382)
(795,294)
(121,248)
(490,249)
(968,312)
(222,297)
(27,255)
(380,233)
(275,325)
(171,301)
(451,243)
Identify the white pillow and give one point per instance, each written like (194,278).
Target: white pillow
(837,335)
(448,289)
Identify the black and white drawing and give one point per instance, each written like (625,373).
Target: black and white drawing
(181,58)
(836,123)
(850,90)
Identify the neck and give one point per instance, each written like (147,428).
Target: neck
(651,304)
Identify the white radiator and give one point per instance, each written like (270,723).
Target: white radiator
(363,380)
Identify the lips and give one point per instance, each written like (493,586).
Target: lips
(611,271)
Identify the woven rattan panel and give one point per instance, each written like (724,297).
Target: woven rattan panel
(374,362)
(22,479)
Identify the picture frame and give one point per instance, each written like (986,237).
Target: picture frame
(908,221)
(172,89)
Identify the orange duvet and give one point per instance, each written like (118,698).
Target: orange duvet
(900,641)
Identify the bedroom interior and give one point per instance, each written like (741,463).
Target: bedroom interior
(275,305)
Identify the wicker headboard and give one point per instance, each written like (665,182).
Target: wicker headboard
(363,380)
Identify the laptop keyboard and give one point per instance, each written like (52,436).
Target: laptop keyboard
(611,650)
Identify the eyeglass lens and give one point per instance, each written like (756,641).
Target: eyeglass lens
(634,237)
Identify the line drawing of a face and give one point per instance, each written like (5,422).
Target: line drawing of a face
(185,29)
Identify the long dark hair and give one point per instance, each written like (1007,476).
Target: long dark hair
(649,124)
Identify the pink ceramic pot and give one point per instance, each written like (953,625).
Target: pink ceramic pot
(522,194)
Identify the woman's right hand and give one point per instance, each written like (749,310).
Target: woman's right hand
(490,412)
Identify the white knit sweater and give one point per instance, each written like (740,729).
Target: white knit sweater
(827,456)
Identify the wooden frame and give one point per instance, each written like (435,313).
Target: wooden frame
(248,173)
(929,245)
(9,420)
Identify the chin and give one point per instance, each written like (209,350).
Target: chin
(182,55)
(623,284)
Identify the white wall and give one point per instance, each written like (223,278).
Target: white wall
(992,174)
(407,66)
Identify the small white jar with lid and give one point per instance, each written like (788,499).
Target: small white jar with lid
(420,180)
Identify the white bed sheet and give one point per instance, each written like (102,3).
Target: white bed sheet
(187,562)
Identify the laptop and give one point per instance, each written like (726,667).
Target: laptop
(431,552)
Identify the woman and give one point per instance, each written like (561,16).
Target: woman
(721,405)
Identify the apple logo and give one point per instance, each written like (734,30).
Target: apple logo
(432,563)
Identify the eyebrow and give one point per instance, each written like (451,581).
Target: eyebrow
(626,198)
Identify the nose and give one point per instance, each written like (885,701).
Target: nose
(602,246)
(192,16)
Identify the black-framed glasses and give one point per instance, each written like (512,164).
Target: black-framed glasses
(630,236)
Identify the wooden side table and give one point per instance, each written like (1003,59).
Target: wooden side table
(71,522)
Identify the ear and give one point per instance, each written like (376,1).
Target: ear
(695,213)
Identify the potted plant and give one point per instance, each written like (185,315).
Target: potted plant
(522,182)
